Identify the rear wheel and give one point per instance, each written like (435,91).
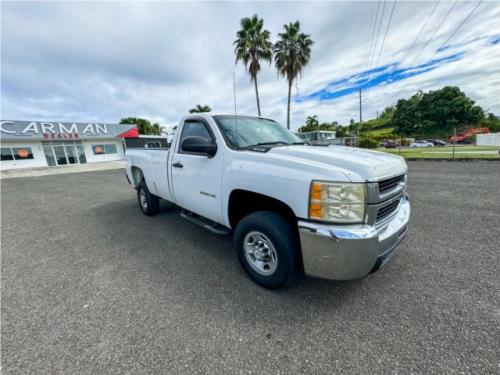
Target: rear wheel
(149,203)
(267,248)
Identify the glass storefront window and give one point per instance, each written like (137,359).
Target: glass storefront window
(104,149)
(81,153)
(71,154)
(110,149)
(60,155)
(22,153)
(49,155)
(7,153)
(17,153)
(98,149)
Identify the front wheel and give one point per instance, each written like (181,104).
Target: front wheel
(268,249)
(149,203)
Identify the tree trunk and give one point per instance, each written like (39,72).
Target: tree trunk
(257,94)
(288,108)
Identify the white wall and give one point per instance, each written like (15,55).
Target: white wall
(89,153)
(38,156)
(492,139)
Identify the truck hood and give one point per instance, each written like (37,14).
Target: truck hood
(366,164)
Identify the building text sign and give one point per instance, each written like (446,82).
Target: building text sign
(18,130)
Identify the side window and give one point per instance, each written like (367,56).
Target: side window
(195,128)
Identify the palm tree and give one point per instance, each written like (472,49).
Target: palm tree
(312,121)
(292,53)
(310,125)
(252,44)
(200,109)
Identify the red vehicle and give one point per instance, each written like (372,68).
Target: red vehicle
(467,135)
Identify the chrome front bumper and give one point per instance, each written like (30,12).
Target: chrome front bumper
(351,251)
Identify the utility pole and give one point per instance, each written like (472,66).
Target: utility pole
(360,108)
(360,114)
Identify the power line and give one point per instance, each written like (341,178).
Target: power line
(383,42)
(448,39)
(434,32)
(457,28)
(426,44)
(420,32)
(372,35)
(386,31)
(376,37)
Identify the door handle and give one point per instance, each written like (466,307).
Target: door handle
(177,165)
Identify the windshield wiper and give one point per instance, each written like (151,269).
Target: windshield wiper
(280,143)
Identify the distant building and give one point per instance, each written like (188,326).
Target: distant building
(27,144)
(318,137)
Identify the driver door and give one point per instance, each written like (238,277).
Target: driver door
(197,179)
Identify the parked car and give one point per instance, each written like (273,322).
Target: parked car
(334,212)
(417,144)
(436,142)
(391,144)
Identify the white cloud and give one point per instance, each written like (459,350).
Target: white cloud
(104,61)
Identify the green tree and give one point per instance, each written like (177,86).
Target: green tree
(436,112)
(341,131)
(292,53)
(311,124)
(406,116)
(200,109)
(144,126)
(252,45)
(388,112)
(492,122)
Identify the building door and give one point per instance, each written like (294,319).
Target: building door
(63,153)
(60,154)
(71,154)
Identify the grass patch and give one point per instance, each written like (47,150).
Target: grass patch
(380,132)
(461,152)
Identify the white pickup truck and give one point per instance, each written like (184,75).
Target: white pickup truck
(330,212)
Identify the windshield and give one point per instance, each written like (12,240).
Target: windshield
(253,131)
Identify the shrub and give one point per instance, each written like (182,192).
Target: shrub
(368,142)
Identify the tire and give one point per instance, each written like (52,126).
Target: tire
(278,246)
(148,203)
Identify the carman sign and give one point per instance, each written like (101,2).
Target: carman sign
(40,130)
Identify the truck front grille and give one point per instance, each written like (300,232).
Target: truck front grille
(389,184)
(387,210)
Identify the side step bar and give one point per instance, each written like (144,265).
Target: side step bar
(208,224)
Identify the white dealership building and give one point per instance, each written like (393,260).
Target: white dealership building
(27,144)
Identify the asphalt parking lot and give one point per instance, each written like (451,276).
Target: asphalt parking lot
(90,285)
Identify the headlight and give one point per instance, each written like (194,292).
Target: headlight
(337,202)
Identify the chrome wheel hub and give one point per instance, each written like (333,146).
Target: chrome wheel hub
(143,199)
(260,253)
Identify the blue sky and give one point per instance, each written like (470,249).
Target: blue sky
(373,78)
(90,61)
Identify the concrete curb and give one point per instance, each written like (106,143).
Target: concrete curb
(76,168)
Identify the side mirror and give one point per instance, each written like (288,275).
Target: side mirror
(199,145)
